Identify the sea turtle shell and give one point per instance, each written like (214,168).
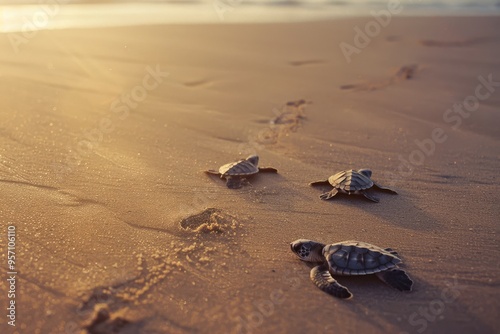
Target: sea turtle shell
(359,258)
(351,181)
(242,167)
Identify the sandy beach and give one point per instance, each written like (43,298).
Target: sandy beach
(105,134)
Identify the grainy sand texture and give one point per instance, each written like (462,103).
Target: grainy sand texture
(105,135)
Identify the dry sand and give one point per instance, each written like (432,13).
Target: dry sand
(126,234)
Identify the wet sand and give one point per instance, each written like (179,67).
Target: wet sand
(105,134)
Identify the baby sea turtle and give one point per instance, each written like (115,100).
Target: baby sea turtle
(350,258)
(236,173)
(351,182)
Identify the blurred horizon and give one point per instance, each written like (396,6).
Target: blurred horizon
(65,14)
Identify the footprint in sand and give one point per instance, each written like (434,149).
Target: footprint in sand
(306,62)
(197,83)
(210,221)
(406,72)
(207,243)
(105,322)
(288,119)
(454,44)
(111,307)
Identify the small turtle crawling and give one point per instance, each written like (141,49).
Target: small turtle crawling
(351,182)
(237,172)
(350,258)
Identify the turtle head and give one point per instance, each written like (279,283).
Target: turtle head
(365,172)
(254,160)
(308,250)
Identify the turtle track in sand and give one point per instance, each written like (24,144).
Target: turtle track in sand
(111,307)
(200,255)
(404,73)
(288,119)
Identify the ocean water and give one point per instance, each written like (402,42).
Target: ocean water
(26,15)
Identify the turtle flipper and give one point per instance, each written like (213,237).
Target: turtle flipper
(365,172)
(328,195)
(320,183)
(396,278)
(211,171)
(321,276)
(370,197)
(234,182)
(392,251)
(268,170)
(384,188)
